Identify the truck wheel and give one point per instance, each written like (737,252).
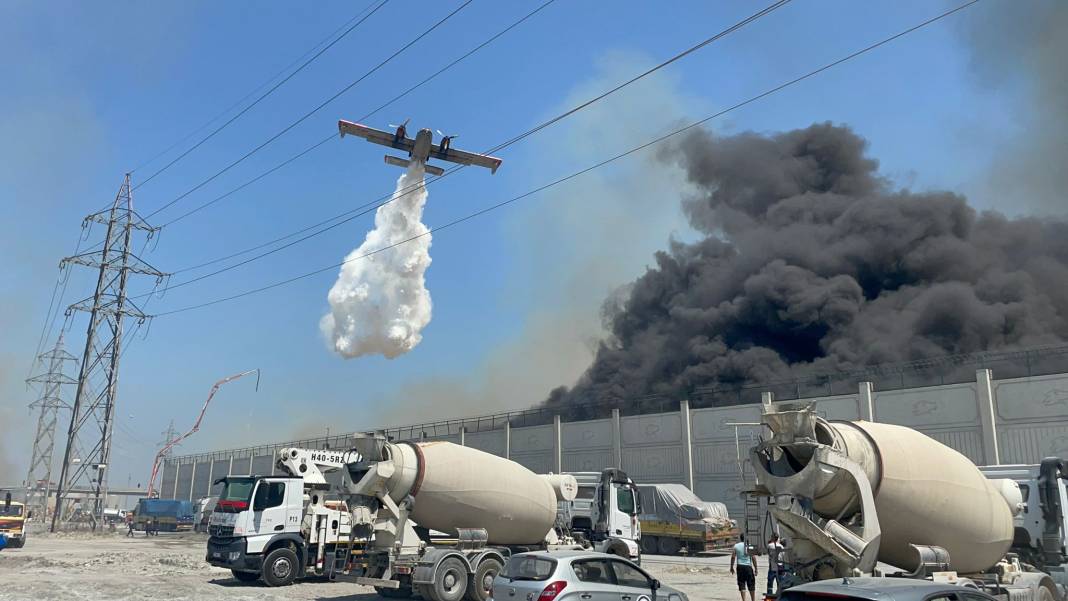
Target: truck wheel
(668,546)
(450,581)
(650,544)
(280,567)
(245,576)
(478,588)
(16,544)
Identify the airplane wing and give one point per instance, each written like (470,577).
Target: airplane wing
(377,136)
(466,158)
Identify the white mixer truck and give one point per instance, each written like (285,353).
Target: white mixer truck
(282,528)
(848,495)
(494,507)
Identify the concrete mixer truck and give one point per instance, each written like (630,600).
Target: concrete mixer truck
(494,507)
(849,495)
(280,528)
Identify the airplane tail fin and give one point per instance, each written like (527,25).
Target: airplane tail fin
(399,162)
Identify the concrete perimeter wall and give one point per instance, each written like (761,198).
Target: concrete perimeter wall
(990,421)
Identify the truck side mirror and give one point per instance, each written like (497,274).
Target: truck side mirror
(654,584)
(29,515)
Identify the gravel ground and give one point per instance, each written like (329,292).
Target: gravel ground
(171,566)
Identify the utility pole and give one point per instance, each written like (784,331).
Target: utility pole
(93,414)
(50,401)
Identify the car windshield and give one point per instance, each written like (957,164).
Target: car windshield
(12,510)
(529,567)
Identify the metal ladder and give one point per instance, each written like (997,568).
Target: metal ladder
(754,521)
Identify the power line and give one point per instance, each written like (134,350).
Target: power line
(566,178)
(313,111)
(254,90)
(366,208)
(333,135)
(262,96)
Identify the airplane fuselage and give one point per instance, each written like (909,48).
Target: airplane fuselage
(424,141)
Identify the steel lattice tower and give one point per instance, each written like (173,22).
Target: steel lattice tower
(168,435)
(93,413)
(50,401)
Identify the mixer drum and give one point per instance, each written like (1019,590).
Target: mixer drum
(927,493)
(462,487)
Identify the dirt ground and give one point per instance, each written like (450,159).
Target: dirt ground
(171,567)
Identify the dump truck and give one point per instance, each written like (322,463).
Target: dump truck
(850,494)
(13,522)
(392,496)
(673,518)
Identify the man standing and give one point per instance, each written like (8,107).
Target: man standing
(129,524)
(746,569)
(775,550)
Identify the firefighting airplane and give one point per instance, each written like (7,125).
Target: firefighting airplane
(421,149)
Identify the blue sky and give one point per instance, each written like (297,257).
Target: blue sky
(92,90)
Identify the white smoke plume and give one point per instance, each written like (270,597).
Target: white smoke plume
(380,304)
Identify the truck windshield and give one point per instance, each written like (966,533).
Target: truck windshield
(10,510)
(236,494)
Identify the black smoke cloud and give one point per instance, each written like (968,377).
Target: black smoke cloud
(814,263)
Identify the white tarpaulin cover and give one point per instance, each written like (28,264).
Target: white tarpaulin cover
(674,502)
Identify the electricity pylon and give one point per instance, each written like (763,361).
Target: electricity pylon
(93,414)
(50,401)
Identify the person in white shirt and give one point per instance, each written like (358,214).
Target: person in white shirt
(775,566)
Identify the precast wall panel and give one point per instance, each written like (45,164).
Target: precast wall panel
(169,479)
(533,448)
(263,465)
(1032,418)
(491,441)
(219,469)
(587,446)
(949,414)
(652,447)
(716,464)
(185,481)
(202,479)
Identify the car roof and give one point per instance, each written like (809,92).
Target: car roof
(565,554)
(872,587)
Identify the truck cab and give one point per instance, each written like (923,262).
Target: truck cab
(271,527)
(1040,520)
(605,512)
(13,522)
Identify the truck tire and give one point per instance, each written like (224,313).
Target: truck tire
(245,576)
(650,545)
(478,588)
(280,567)
(450,581)
(16,544)
(668,546)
